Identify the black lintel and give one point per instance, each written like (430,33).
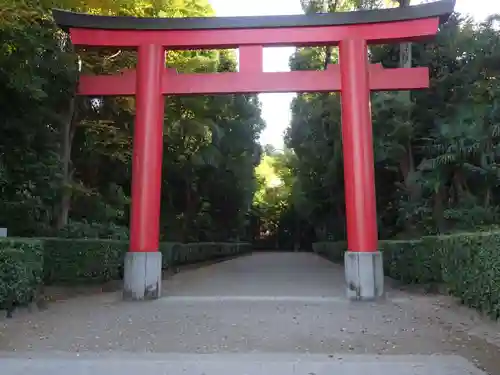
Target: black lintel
(441,9)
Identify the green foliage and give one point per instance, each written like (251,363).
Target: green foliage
(21,265)
(200,252)
(333,251)
(26,264)
(35,76)
(276,203)
(468,264)
(85,229)
(170,254)
(93,261)
(436,150)
(65,161)
(471,269)
(73,261)
(412,261)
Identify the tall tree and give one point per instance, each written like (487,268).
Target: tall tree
(66,161)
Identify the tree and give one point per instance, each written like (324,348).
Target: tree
(436,153)
(66,160)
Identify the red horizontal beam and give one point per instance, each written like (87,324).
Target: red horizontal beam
(254,82)
(288,36)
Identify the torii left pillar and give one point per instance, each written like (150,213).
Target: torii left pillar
(363,261)
(143,265)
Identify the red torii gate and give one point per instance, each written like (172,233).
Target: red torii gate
(354,77)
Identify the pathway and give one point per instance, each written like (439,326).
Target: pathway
(268,313)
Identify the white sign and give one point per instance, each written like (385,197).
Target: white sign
(3,232)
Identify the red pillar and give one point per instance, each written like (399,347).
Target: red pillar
(148,150)
(357,140)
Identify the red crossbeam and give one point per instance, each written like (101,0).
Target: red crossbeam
(378,33)
(174,83)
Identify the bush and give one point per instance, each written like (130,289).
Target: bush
(333,251)
(412,261)
(203,251)
(72,261)
(468,264)
(25,263)
(169,253)
(84,229)
(21,264)
(471,269)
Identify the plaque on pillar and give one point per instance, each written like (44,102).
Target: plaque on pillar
(3,232)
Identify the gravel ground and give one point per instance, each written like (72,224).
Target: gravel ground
(264,303)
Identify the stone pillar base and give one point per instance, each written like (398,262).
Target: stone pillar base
(142,276)
(364,273)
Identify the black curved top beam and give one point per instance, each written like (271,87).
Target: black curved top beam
(67,20)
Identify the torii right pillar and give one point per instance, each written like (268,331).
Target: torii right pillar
(363,261)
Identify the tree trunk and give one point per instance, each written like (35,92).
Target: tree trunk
(192,203)
(487,197)
(460,185)
(67,172)
(405,56)
(438,210)
(187,212)
(331,8)
(414,188)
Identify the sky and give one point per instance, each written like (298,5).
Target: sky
(276,107)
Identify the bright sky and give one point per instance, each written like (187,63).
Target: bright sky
(276,107)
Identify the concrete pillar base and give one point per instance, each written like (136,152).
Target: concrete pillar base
(364,273)
(142,276)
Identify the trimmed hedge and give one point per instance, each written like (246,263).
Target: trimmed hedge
(169,253)
(333,251)
(468,264)
(202,251)
(73,261)
(412,261)
(21,267)
(69,261)
(27,263)
(83,261)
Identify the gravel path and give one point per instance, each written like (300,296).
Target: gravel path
(266,303)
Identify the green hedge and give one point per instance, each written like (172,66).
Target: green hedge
(83,261)
(333,251)
(70,261)
(471,269)
(202,251)
(468,264)
(169,253)
(21,265)
(412,261)
(76,261)
(25,263)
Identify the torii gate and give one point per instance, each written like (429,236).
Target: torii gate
(354,77)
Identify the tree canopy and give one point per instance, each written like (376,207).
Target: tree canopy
(65,161)
(436,150)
